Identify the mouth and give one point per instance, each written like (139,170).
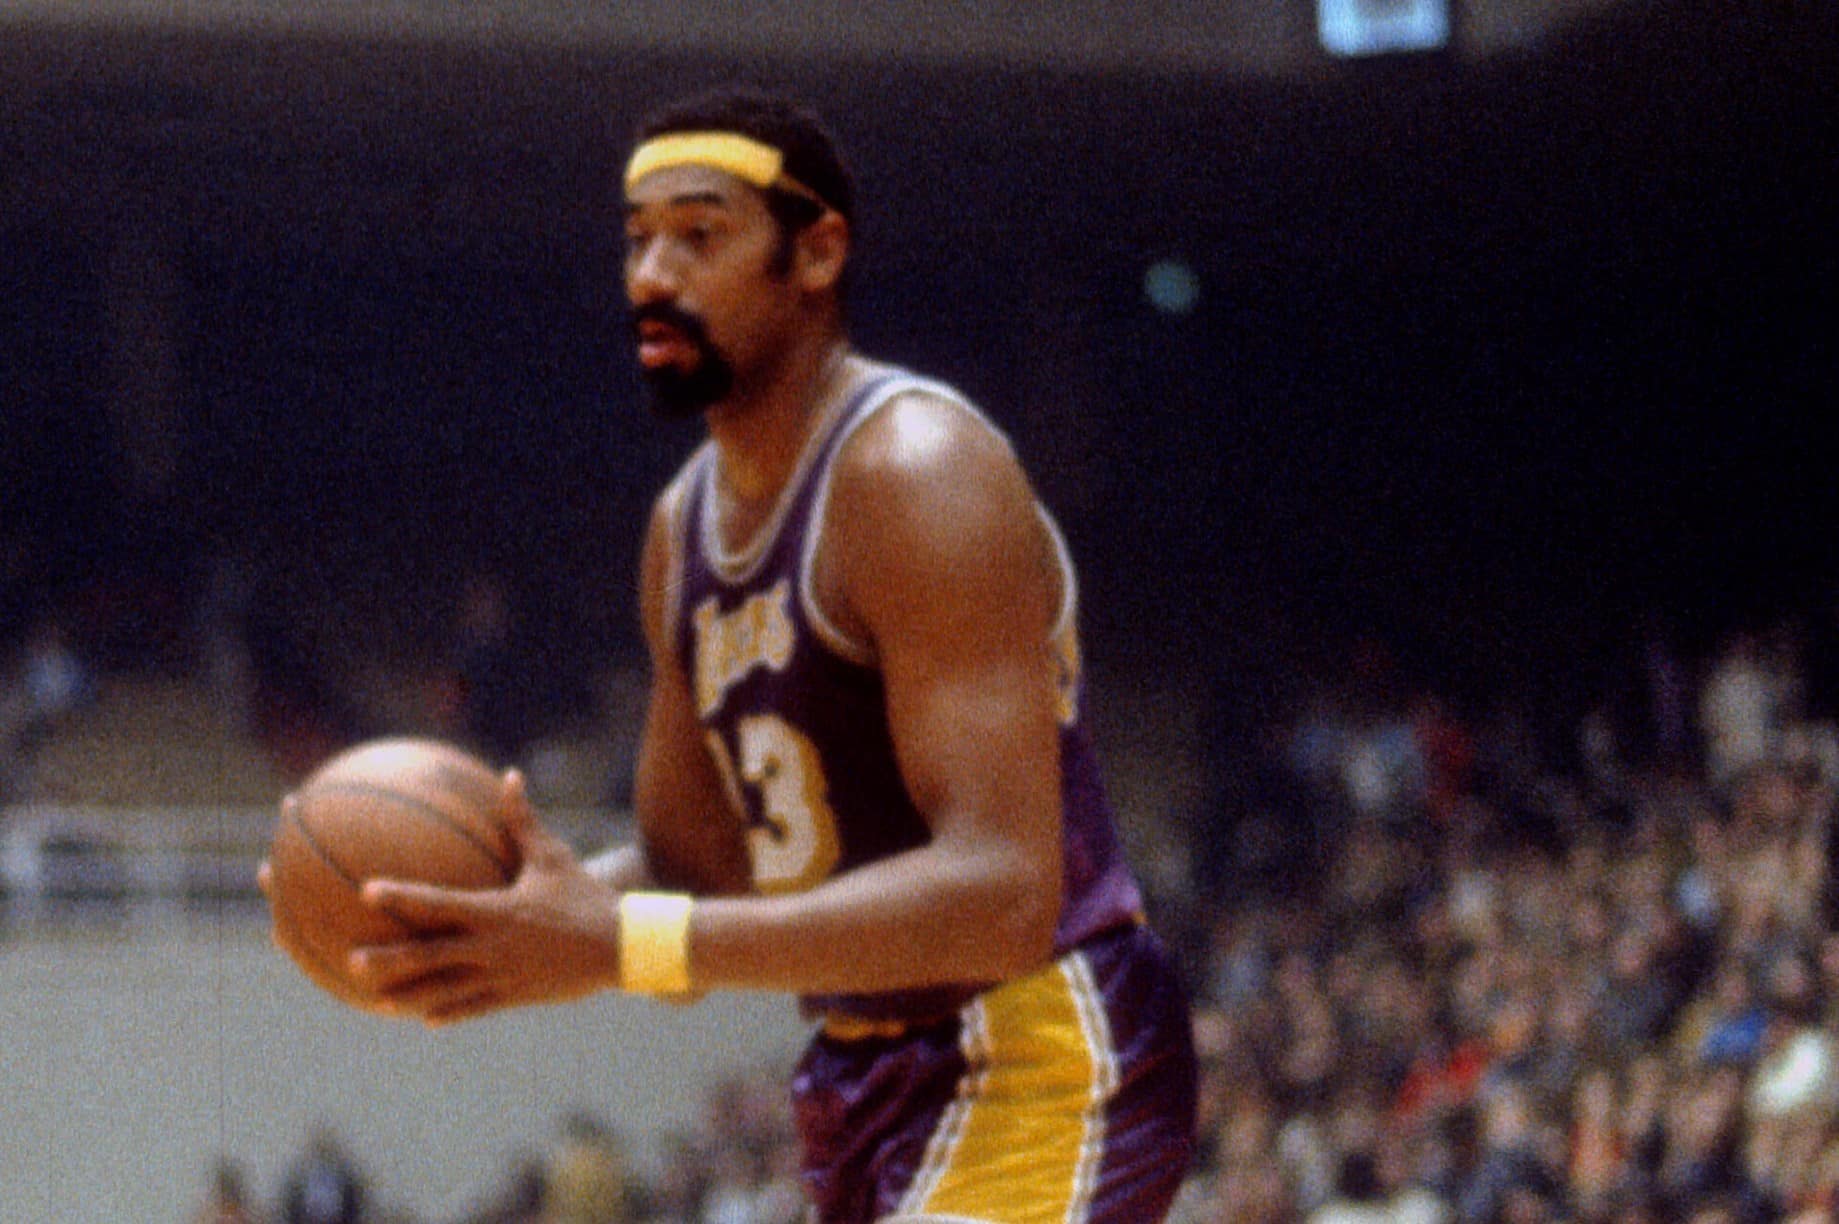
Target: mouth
(661,344)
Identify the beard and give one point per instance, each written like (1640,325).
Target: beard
(676,393)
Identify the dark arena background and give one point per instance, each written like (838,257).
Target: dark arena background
(1439,433)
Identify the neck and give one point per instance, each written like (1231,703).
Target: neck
(759,433)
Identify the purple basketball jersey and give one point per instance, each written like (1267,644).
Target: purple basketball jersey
(795,714)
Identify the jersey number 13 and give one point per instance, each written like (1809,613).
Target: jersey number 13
(792,842)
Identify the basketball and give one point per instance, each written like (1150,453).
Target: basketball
(405,809)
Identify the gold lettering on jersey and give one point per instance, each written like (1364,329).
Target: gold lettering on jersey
(731,645)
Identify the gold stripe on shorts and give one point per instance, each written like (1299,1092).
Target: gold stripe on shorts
(1021,1143)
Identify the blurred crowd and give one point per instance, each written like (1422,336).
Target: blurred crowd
(1448,970)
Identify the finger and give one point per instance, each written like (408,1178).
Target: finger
(468,1006)
(322,969)
(423,906)
(410,967)
(265,871)
(435,997)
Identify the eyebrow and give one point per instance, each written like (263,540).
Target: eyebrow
(680,200)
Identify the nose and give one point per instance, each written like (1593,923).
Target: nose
(649,277)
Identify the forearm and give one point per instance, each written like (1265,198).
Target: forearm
(922,918)
(631,868)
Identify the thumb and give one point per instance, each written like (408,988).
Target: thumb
(529,837)
(265,870)
(514,810)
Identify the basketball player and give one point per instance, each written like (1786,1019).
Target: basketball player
(862,776)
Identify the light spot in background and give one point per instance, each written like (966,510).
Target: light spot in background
(1172,286)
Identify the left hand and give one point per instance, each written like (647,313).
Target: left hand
(550,935)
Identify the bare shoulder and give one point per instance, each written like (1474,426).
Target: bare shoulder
(926,482)
(922,434)
(928,494)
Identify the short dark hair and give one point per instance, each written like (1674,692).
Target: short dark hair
(810,151)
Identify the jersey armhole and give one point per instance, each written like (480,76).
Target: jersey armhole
(1066,619)
(676,540)
(828,632)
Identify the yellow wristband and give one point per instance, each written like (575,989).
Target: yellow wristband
(654,942)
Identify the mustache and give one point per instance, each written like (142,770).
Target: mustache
(671,316)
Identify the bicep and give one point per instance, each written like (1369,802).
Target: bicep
(956,583)
(978,747)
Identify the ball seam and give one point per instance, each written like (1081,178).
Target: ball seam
(420,805)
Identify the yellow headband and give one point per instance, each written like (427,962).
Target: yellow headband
(747,159)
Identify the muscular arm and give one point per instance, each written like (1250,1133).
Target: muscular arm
(935,554)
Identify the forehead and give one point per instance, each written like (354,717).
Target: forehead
(686,185)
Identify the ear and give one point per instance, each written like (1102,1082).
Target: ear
(823,249)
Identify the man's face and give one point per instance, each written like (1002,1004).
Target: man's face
(707,307)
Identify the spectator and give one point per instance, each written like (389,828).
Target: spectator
(585,1174)
(1515,1164)
(55,678)
(1703,1162)
(324,1186)
(228,1200)
(1359,1197)
(522,1197)
(1597,1151)
(48,683)
(1740,710)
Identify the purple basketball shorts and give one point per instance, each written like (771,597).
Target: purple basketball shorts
(1064,1096)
